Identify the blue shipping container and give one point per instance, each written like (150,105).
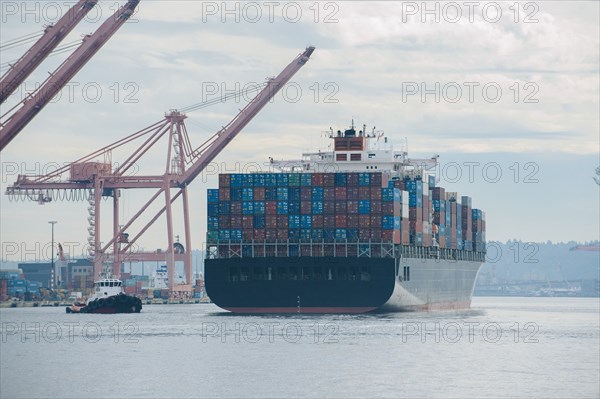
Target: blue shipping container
(294,221)
(259,180)
(364,207)
(306,221)
(294,207)
(235,234)
(282,207)
(282,193)
(317,207)
(247,194)
(259,207)
(259,222)
(247,208)
(212,196)
(317,193)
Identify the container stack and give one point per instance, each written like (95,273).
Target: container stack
(338,207)
(415,213)
(438,195)
(466,222)
(478,230)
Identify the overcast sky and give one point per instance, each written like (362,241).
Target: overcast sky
(490,87)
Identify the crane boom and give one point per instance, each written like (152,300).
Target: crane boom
(64,73)
(52,37)
(244,117)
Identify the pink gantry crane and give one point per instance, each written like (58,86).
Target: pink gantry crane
(53,35)
(15,119)
(183,164)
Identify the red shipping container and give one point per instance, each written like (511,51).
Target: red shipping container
(400,184)
(438,193)
(305,207)
(427,242)
(364,221)
(224,194)
(317,179)
(340,193)
(271,234)
(352,179)
(271,207)
(340,207)
(387,208)
(224,180)
(236,221)
(405,237)
(387,235)
(259,234)
(282,234)
(416,226)
(442,241)
(341,222)
(352,207)
(364,193)
(352,221)
(328,221)
(317,221)
(224,222)
(376,234)
(236,207)
(376,193)
(328,179)
(271,221)
(259,193)
(364,234)
(329,194)
(415,213)
(439,218)
(282,222)
(329,208)
(351,193)
(376,180)
(375,206)
(305,193)
(376,221)
(247,222)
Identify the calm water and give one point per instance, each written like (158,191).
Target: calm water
(502,347)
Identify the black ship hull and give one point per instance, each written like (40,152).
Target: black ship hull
(338,284)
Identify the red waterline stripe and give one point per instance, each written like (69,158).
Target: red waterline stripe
(302,310)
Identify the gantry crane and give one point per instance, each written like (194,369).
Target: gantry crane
(19,116)
(53,35)
(183,164)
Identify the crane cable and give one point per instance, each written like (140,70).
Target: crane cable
(59,50)
(197,106)
(19,41)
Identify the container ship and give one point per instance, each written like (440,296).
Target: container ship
(356,229)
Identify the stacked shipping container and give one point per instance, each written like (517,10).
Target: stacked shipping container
(339,207)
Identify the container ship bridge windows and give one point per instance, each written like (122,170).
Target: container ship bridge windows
(356,157)
(341,157)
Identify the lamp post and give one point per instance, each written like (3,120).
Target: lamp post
(52,222)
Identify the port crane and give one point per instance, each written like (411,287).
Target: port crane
(14,120)
(53,35)
(183,165)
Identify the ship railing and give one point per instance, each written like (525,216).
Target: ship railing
(227,249)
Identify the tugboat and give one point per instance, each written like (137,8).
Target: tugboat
(108,297)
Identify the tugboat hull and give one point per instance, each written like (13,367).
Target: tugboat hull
(121,303)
